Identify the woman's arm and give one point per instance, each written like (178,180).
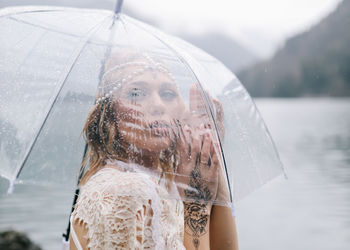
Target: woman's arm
(207,226)
(196,222)
(223,232)
(198,173)
(81,233)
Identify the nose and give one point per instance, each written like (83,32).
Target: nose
(157,112)
(156,107)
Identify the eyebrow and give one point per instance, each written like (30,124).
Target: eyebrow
(146,84)
(139,83)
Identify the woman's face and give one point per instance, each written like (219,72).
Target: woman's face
(146,109)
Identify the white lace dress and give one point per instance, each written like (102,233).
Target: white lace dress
(124,210)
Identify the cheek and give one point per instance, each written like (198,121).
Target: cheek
(176,109)
(128,113)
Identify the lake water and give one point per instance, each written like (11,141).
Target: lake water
(310,210)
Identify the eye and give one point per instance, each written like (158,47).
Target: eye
(168,94)
(136,93)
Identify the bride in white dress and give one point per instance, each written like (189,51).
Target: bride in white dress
(141,190)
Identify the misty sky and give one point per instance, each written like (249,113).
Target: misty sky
(261,25)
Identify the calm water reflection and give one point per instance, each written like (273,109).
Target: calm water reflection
(311,210)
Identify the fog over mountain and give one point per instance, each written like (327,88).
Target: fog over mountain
(234,55)
(313,63)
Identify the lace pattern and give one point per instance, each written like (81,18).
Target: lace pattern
(123,210)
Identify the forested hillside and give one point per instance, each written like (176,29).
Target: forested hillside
(314,63)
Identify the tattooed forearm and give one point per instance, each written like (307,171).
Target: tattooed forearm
(196,211)
(196,220)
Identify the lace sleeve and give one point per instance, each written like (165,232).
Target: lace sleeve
(113,216)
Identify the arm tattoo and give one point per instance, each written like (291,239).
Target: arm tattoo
(199,191)
(196,212)
(196,219)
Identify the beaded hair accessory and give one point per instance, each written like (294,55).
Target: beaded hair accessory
(150,65)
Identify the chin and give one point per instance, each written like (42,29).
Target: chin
(149,143)
(154,144)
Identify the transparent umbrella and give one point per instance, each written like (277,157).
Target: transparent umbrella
(59,64)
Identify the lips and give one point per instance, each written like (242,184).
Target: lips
(159,128)
(159,124)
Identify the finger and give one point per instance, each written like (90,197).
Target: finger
(208,125)
(218,109)
(205,152)
(197,103)
(174,130)
(204,129)
(210,99)
(193,97)
(196,143)
(185,140)
(215,154)
(201,130)
(214,102)
(219,113)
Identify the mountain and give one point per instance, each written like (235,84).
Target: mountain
(224,48)
(313,63)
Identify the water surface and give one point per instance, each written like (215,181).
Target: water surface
(310,210)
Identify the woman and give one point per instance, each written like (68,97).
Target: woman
(152,170)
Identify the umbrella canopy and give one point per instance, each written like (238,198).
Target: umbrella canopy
(57,64)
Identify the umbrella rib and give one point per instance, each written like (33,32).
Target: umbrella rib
(118,6)
(28,11)
(100,77)
(53,30)
(206,97)
(43,27)
(62,83)
(6,11)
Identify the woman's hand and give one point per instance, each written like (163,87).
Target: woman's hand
(197,171)
(198,168)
